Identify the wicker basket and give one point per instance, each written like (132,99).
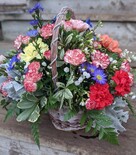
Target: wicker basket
(57,116)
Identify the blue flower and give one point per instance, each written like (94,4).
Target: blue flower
(88,21)
(83,67)
(32,33)
(36,7)
(91,69)
(12,62)
(99,76)
(34,22)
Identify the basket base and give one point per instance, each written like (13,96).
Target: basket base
(73,124)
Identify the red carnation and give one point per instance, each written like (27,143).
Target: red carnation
(122,81)
(100,97)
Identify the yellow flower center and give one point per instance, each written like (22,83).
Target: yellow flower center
(98,77)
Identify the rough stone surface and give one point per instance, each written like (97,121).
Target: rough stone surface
(15,139)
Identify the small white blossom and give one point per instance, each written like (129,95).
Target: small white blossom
(44,64)
(77,83)
(16,78)
(126,95)
(131,93)
(23,76)
(66,69)
(133,97)
(111,59)
(80,79)
(82,103)
(114,61)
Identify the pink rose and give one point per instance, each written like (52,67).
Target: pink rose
(47,30)
(100,59)
(67,25)
(74,57)
(34,66)
(47,54)
(97,45)
(30,86)
(2,58)
(125,66)
(4,84)
(73,24)
(79,25)
(21,40)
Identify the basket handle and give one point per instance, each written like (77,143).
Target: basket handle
(54,43)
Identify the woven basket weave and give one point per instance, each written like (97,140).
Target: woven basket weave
(57,116)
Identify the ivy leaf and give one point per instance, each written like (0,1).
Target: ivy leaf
(60,85)
(31,97)
(43,101)
(24,115)
(25,104)
(34,115)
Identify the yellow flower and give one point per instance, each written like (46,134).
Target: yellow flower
(42,48)
(30,53)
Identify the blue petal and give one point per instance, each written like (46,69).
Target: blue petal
(36,7)
(32,33)
(88,21)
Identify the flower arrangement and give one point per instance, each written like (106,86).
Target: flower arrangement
(92,80)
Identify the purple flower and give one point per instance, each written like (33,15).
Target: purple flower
(12,62)
(83,67)
(34,22)
(36,7)
(32,33)
(99,76)
(88,21)
(91,69)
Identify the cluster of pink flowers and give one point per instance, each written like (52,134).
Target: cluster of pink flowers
(32,76)
(73,24)
(74,57)
(100,59)
(21,40)
(47,31)
(5,83)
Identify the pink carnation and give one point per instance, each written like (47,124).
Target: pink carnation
(21,40)
(47,30)
(33,76)
(34,66)
(5,83)
(30,86)
(125,66)
(74,57)
(73,24)
(100,59)
(90,104)
(25,39)
(47,54)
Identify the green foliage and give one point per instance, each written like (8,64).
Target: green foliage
(69,115)
(30,108)
(35,132)
(11,110)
